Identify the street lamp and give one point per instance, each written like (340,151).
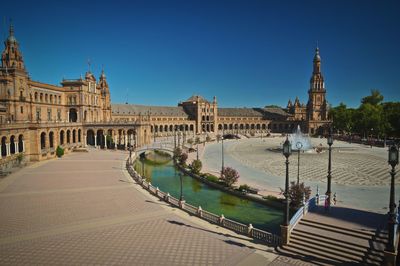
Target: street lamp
(328,192)
(222,141)
(181,178)
(299,145)
(287,151)
(393,161)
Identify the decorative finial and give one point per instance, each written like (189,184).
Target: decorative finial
(11,28)
(88,62)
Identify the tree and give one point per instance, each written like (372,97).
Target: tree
(229,176)
(177,153)
(374,99)
(342,118)
(391,112)
(296,192)
(368,119)
(183,158)
(196,166)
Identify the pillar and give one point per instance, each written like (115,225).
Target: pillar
(67,116)
(7,149)
(23,146)
(16,147)
(95,140)
(115,141)
(126,141)
(105,141)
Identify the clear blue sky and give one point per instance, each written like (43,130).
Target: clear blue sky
(247,53)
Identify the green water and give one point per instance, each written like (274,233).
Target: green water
(166,178)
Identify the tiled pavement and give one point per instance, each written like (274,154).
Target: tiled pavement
(84,209)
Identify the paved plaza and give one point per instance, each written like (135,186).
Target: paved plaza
(84,209)
(360,174)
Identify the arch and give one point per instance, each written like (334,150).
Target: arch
(79,135)
(43,140)
(100,138)
(203,118)
(20,143)
(12,144)
(219,126)
(85,115)
(191,128)
(247,126)
(4,146)
(90,137)
(171,128)
(68,136)
(241,126)
(62,133)
(208,128)
(74,136)
(51,139)
(73,115)
(263,126)
(212,128)
(252,126)
(161,128)
(230,126)
(36,96)
(258,126)
(180,127)
(166,128)
(186,127)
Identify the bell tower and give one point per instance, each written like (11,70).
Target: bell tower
(11,57)
(317,105)
(105,96)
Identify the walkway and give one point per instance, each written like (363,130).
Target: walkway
(84,209)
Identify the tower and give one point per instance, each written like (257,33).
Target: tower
(317,105)
(105,96)
(11,57)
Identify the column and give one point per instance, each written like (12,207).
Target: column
(95,140)
(7,149)
(23,146)
(115,141)
(105,141)
(0,152)
(126,141)
(16,147)
(67,116)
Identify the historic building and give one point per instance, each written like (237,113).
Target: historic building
(36,117)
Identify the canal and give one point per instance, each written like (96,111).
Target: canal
(166,177)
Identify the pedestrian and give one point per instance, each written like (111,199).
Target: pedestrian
(327,203)
(334,198)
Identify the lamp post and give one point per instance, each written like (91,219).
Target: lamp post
(393,161)
(287,151)
(181,195)
(299,145)
(222,141)
(328,191)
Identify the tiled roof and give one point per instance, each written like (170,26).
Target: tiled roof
(134,109)
(195,98)
(249,112)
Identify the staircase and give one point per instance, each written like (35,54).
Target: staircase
(325,240)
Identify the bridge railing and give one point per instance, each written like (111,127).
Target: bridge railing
(248,230)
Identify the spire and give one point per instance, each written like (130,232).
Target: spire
(102,76)
(11,31)
(11,37)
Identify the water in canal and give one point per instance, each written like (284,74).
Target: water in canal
(166,178)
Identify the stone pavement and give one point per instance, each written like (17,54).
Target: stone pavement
(85,209)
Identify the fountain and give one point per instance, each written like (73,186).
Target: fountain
(300,141)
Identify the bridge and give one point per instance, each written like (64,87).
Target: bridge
(165,147)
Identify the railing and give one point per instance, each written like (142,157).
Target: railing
(239,228)
(301,212)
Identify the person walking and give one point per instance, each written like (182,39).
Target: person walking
(334,198)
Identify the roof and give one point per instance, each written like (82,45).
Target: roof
(275,111)
(249,112)
(135,109)
(195,98)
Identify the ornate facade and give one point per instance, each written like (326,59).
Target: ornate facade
(36,117)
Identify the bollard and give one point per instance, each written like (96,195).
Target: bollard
(317,196)
(167,197)
(157,190)
(221,219)
(200,211)
(250,230)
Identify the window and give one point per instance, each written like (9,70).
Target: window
(49,114)
(59,115)
(38,114)
(22,109)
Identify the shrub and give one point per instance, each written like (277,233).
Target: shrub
(244,188)
(177,153)
(229,176)
(296,192)
(59,151)
(20,158)
(212,178)
(182,158)
(196,166)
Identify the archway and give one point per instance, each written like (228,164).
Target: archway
(51,139)
(3,146)
(74,136)
(90,137)
(100,138)
(79,135)
(62,137)
(68,136)
(12,144)
(20,143)
(43,140)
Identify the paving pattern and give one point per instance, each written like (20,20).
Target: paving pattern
(84,209)
(352,164)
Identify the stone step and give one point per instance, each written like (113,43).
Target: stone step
(336,231)
(333,250)
(314,259)
(335,243)
(359,231)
